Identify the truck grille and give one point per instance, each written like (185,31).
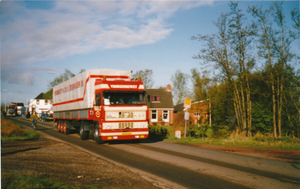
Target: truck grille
(125,115)
(126,125)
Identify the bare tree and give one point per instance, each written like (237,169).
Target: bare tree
(241,38)
(147,77)
(180,89)
(265,48)
(227,50)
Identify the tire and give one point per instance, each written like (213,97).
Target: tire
(66,130)
(58,125)
(62,126)
(83,134)
(97,138)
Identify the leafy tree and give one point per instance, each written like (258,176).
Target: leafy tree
(241,38)
(147,77)
(64,77)
(265,34)
(200,85)
(226,50)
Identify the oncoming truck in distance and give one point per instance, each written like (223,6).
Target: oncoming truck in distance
(11,110)
(102,104)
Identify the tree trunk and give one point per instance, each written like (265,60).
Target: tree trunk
(274,112)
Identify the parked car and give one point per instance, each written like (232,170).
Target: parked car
(49,118)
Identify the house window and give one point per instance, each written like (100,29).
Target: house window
(37,102)
(155,99)
(46,102)
(196,114)
(166,116)
(153,116)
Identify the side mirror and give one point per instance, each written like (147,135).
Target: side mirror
(148,97)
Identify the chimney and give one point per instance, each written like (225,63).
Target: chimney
(169,88)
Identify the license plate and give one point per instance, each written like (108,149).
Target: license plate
(126,133)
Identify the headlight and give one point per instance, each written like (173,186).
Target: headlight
(112,115)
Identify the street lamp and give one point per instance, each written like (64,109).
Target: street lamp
(57,74)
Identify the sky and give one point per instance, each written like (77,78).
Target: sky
(38,37)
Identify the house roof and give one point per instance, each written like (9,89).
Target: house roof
(178,108)
(40,96)
(165,98)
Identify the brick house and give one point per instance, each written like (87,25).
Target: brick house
(198,113)
(161,108)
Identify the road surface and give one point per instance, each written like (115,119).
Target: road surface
(180,166)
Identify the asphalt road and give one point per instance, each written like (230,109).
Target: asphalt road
(179,166)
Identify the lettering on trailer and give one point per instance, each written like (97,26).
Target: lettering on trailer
(124,86)
(69,88)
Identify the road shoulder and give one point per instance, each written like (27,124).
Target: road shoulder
(48,158)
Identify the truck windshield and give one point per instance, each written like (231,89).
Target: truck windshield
(11,106)
(123,98)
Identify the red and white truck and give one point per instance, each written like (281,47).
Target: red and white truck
(102,104)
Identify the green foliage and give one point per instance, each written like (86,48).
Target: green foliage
(12,181)
(260,141)
(200,131)
(221,130)
(200,84)
(49,94)
(158,132)
(12,132)
(261,118)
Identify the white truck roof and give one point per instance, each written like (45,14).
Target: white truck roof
(78,92)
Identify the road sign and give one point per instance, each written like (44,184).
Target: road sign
(186,115)
(187,103)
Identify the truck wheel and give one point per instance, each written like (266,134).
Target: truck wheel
(83,134)
(58,125)
(62,125)
(66,129)
(97,138)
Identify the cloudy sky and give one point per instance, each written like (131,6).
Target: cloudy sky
(42,36)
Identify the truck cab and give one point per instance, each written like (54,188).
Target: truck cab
(121,109)
(11,110)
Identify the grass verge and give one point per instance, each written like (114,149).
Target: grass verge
(12,132)
(12,181)
(264,142)
(257,141)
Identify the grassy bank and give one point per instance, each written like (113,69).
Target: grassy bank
(12,181)
(167,133)
(11,132)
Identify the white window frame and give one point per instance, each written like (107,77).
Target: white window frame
(197,114)
(152,112)
(163,113)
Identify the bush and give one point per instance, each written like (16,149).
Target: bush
(158,132)
(200,131)
(221,130)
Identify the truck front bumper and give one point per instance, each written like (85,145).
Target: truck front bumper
(125,135)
